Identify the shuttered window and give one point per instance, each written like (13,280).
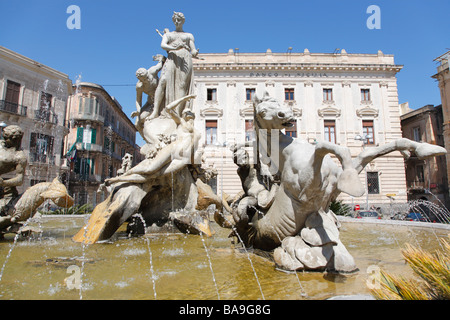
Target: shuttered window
(211,131)
(330,131)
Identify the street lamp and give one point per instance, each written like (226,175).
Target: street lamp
(365,139)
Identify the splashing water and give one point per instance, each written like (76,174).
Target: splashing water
(302,290)
(152,273)
(16,237)
(210,265)
(247,253)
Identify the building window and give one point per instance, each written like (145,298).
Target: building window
(34,182)
(84,167)
(87,135)
(44,112)
(109,145)
(211,94)
(416,134)
(330,130)
(41,147)
(289,94)
(249,130)
(11,103)
(368,131)
(327,94)
(292,131)
(420,177)
(373,185)
(211,131)
(46,101)
(365,94)
(250,94)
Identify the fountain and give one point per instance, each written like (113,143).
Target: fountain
(152,237)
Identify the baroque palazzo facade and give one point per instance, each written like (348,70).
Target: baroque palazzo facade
(100,135)
(335,97)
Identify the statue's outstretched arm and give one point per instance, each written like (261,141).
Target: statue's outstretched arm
(139,91)
(405,146)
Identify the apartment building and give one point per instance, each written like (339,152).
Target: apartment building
(100,135)
(34,97)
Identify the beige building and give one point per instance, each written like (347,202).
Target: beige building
(334,96)
(426,179)
(34,97)
(443,78)
(100,135)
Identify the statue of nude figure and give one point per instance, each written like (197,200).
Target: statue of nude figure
(148,82)
(173,156)
(12,158)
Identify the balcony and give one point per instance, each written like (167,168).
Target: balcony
(45,116)
(13,108)
(90,117)
(82,146)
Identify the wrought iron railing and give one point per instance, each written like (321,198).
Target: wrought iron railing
(13,108)
(42,158)
(46,116)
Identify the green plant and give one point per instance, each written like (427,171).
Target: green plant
(433,270)
(339,208)
(76,209)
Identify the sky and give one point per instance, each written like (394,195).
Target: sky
(118,37)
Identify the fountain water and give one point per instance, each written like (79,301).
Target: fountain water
(210,266)
(116,269)
(161,185)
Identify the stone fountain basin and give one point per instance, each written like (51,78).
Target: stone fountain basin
(181,269)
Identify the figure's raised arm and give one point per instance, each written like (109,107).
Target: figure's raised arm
(405,146)
(139,92)
(173,104)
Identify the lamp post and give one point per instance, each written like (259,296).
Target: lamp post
(365,139)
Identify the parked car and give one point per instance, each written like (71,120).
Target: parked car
(368,214)
(415,216)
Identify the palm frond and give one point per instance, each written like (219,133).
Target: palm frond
(432,268)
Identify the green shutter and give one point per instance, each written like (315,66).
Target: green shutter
(79,134)
(93,135)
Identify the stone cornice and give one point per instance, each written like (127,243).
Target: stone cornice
(33,65)
(311,67)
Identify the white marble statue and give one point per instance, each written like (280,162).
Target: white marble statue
(173,156)
(147,83)
(176,79)
(298,224)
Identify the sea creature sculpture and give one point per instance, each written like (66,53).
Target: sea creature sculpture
(297,225)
